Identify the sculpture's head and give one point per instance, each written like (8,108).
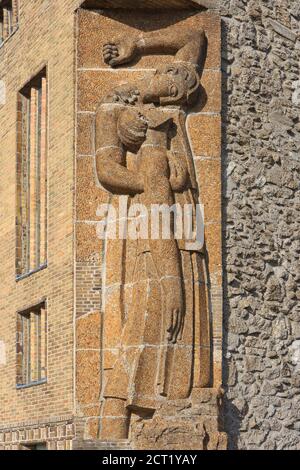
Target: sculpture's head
(174,84)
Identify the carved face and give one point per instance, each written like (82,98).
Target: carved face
(172,84)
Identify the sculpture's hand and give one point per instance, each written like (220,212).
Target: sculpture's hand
(175,312)
(120,51)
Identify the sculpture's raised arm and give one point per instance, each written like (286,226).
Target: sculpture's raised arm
(186,46)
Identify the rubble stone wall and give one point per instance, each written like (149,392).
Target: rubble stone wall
(261,140)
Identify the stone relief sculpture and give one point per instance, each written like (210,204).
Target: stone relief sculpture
(142,151)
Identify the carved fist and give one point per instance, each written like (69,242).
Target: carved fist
(132,129)
(120,51)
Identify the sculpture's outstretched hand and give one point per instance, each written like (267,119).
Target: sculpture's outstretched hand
(120,51)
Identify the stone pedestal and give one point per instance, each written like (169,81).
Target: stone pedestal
(192,424)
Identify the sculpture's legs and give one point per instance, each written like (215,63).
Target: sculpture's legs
(115,420)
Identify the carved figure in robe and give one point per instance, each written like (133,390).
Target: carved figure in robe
(158,348)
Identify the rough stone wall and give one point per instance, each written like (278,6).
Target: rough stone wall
(261,45)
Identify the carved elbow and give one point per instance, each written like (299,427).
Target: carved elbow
(101,166)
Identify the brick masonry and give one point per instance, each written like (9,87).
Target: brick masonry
(58,434)
(35,44)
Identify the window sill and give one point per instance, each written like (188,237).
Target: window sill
(32,384)
(30,273)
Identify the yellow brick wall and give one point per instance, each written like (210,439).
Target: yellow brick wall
(45,37)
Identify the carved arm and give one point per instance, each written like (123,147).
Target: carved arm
(111,157)
(187,46)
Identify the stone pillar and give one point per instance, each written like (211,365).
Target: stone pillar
(123,286)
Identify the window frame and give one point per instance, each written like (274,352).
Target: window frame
(13,7)
(21,314)
(24,91)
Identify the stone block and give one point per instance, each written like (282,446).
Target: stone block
(87,377)
(88,331)
(85,134)
(213,238)
(205,134)
(95,85)
(88,246)
(209,177)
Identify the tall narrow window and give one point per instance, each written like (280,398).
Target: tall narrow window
(32,345)
(1,26)
(32,176)
(10,21)
(8,18)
